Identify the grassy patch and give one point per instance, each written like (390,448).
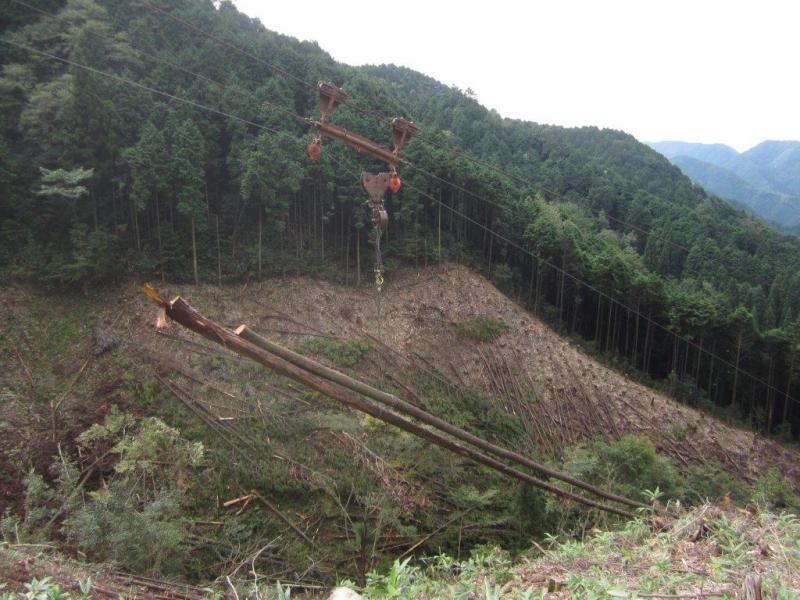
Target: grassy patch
(482,328)
(343,353)
(705,550)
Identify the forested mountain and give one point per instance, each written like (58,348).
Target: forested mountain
(160,149)
(764,180)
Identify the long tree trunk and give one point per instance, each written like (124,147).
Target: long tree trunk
(627,332)
(194,254)
(636,335)
(770,395)
(597,321)
(182,313)
(697,365)
(347,255)
(575,311)
(532,282)
(711,367)
(647,344)
(358,258)
(561,290)
(260,229)
(439,232)
(158,236)
(787,399)
(736,367)
(94,208)
(538,283)
(298,229)
(136,224)
(219,253)
(236,225)
(674,368)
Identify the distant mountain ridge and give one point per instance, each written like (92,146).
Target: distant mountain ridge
(765,179)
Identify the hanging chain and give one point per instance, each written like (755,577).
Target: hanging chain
(378,260)
(376,186)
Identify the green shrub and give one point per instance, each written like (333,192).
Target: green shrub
(630,466)
(679,433)
(41,504)
(344,353)
(395,583)
(503,276)
(134,520)
(481,328)
(468,408)
(142,537)
(772,491)
(710,482)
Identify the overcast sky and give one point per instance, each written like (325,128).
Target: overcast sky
(692,70)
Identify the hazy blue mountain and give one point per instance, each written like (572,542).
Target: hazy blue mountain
(780,162)
(782,210)
(765,179)
(715,154)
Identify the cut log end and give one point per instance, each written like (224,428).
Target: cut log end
(151,293)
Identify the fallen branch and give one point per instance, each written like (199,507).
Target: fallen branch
(24,365)
(433,533)
(286,520)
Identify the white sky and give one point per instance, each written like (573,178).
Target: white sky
(691,70)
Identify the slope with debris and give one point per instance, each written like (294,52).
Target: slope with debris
(58,382)
(576,398)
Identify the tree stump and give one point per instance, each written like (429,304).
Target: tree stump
(751,588)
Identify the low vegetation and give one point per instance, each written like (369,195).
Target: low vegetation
(342,353)
(482,328)
(708,550)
